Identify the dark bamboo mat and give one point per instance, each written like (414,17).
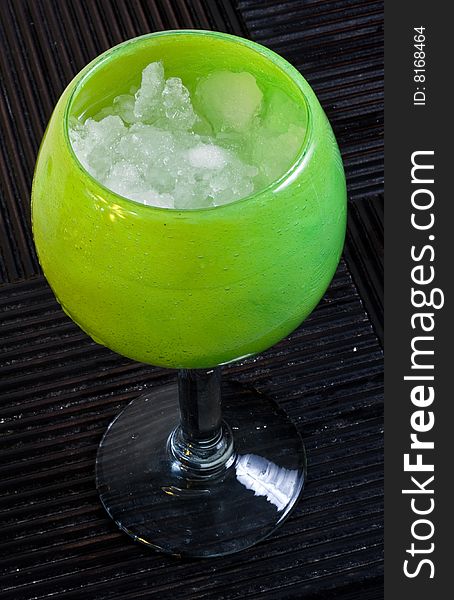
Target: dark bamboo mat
(59,390)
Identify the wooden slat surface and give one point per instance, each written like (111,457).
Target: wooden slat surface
(59,390)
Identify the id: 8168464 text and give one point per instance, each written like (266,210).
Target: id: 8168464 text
(419,66)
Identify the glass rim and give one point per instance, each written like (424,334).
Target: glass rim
(89,70)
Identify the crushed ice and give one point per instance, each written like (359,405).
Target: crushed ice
(154,148)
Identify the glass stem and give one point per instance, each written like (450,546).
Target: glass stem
(202,442)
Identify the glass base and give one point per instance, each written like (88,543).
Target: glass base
(155,500)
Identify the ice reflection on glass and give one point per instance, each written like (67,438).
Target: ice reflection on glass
(264,478)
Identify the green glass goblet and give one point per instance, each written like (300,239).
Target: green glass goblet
(192,289)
